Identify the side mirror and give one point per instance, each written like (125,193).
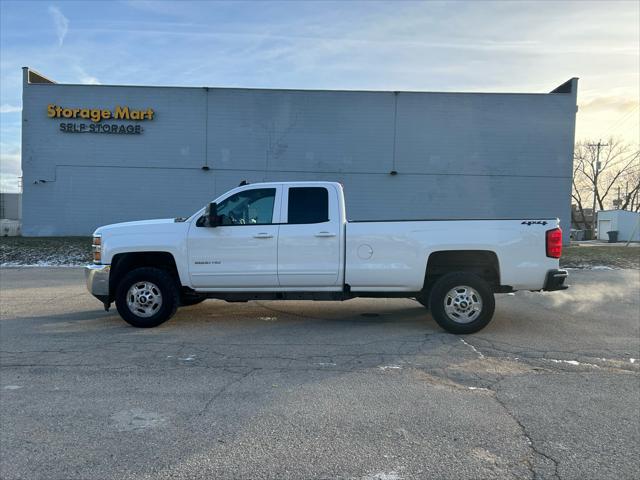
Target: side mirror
(211,215)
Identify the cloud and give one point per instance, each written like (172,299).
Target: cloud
(85,77)
(9,158)
(89,80)
(160,8)
(10,183)
(10,170)
(622,104)
(61,23)
(7,108)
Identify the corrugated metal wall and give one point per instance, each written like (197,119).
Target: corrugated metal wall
(457,155)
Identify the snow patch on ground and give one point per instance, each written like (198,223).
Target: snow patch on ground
(482,389)
(591,267)
(480,354)
(136,419)
(45,251)
(41,264)
(573,362)
(390,367)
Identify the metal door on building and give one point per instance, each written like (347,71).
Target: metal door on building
(603,227)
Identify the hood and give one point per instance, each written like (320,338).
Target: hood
(157,225)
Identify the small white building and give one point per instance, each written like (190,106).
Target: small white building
(626,223)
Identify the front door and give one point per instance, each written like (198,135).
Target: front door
(242,252)
(310,237)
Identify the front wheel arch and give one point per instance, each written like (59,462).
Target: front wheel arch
(123,263)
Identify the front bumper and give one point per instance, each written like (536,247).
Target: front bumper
(555,280)
(97,278)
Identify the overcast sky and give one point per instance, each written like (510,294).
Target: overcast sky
(506,46)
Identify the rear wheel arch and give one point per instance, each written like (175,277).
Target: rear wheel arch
(482,263)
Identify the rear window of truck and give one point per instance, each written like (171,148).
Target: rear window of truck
(308,205)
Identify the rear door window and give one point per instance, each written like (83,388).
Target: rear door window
(308,205)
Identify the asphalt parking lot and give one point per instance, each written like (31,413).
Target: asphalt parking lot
(365,389)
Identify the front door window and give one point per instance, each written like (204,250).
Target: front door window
(249,207)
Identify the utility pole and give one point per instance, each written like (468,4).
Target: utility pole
(626,195)
(598,145)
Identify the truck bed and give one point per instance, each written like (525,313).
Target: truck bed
(393,255)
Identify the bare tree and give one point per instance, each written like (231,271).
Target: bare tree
(631,198)
(579,187)
(618,165)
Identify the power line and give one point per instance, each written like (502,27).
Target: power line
(622,120)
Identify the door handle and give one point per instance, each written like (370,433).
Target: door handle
(325,234)
(263,235)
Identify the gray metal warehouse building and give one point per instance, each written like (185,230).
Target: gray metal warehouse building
(99,154)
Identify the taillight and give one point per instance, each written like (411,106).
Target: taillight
(554,243)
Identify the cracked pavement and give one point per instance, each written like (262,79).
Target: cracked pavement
(364,389)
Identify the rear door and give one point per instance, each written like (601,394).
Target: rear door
(310,237)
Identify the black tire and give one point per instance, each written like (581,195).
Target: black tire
(168,291)
(188,300)
(450,323)
(423,300)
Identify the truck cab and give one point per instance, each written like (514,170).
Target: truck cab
(270,236)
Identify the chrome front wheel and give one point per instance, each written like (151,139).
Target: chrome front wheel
(147,296)
(144,299)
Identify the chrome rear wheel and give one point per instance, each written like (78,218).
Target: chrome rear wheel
(463,304)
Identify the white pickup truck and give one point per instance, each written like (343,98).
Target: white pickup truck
(291,240)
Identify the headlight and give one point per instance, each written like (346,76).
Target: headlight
(96,248)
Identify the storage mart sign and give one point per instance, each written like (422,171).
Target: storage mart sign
(97,115)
